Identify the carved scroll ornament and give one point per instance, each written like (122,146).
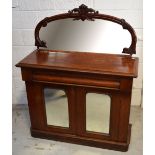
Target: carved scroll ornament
(83,12)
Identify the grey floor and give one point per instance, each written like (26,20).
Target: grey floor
(24,144)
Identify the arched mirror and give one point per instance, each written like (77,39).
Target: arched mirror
(85,30)
(97,36)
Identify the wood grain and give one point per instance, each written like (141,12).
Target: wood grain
(107,64)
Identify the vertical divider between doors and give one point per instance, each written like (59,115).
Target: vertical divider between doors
(72,108)
(80,110)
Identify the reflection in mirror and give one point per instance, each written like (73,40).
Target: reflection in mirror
(97,112)
(56,105)
(99,36)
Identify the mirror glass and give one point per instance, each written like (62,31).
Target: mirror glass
(98,112)
(99,36)
(56,104)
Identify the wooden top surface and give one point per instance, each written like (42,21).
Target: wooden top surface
(109,64)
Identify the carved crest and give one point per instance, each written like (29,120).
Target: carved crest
(84,13)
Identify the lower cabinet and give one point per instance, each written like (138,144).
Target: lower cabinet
(80,114)
(81,98)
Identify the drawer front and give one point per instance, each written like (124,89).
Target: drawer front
(76,80)
(79,79)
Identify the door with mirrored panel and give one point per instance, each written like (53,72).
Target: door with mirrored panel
(59,108)
(96,105)
(98,113)
(56,105)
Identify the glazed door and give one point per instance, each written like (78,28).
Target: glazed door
(98,113)
(51,107)
(59,103)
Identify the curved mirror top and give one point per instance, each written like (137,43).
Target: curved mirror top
(99,36)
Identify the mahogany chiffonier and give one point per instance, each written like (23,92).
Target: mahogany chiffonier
(75,95)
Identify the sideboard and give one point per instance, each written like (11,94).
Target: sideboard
(79,74)
(78,84)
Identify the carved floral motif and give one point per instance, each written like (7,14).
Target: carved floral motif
(84,13)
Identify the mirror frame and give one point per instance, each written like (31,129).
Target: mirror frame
(84,13)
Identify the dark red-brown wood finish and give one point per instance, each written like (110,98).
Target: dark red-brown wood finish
(78,74)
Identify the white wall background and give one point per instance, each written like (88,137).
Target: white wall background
(27,13)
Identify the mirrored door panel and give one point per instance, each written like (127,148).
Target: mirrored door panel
(56,104)
(98,112)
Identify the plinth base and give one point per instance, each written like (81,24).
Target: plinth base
(107,144)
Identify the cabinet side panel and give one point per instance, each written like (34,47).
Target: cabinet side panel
(124,116)
(125,103)
(36,108)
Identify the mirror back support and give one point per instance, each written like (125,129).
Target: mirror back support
(84,13)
